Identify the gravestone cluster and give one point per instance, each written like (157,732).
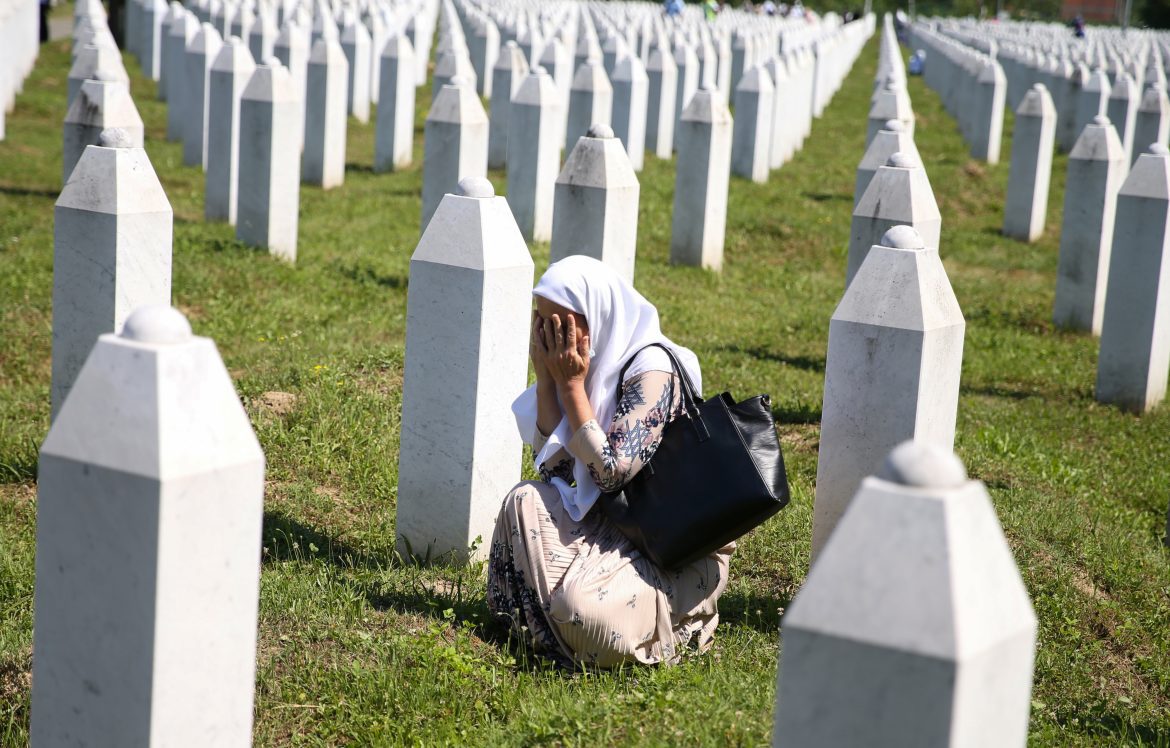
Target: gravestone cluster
(578,96)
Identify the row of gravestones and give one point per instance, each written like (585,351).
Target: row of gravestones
(153,470)
(18,49)
(1115,233)
(207,86)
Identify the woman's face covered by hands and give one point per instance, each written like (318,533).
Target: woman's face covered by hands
(560,343)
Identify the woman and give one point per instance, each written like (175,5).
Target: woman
(559,571)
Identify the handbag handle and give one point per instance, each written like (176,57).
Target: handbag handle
(690,399)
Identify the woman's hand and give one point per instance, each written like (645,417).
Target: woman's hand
(564,352)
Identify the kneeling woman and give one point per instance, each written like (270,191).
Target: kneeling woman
(559,570)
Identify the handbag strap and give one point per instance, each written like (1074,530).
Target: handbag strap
(690,399)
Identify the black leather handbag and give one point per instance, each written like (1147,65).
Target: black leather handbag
(717,473)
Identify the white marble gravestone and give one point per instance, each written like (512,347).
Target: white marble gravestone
(1096,169)
(467,318)
(595,208)
(1033,140)
(454,143)
(1124,100)
(699,220)
(153,14)
(270,172)
(914,628)
(590,102)
(660,114)
(394,136)
(230,73)
(139,638)
(987,130)
(1134,361)
(355,43)
(891,372)
(752,140)
(1152,121)
(292,49)
(95,63)
(631,89)
(892,139)
(201,53)
(534,146)
(1092,99)
(898,195)
(686,63)
(112,229)
(323,162)
(507,75)
(99,106)
(181,32)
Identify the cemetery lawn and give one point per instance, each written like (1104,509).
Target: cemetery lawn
(357,647)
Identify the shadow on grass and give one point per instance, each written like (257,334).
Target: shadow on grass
(759,612)
(29,192)
(828,197)
(805,363)
(366,274)
(1118,729)
(794,414)
(286,539)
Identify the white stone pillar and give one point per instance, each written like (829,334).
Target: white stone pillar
(1124,99)
(230,73)
(631,89)
(182,31)
(450,65)
(534,154)
(891,139)
(914,627)
(394,135)
(701,180)
(262,37)
(1134,361)
(201,53)
(595,209)
(355,44)
(467,319)
(138,639)
(174,11)
(751,145)
(686,83)
(454,143)
(590,102)
(94,63)
(111,251)
(507,75)
(485,44)
(1096,169)
(1152,122)
(153,15)
(1092,99)
(898,195)
(1033,140)
(323,163)
(292,49)
(660,107)
(987,130)
(99,106)
(889,103)
(270,172)
(892,369)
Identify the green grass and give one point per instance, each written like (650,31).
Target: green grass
(357,648)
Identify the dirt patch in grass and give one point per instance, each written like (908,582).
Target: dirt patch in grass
(275,403)
(15,678)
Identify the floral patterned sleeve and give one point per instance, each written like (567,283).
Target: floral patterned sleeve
(558,465)
(616,456)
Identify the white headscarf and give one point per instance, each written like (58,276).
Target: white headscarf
(621,322)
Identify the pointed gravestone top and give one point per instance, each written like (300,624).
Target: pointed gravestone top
(591,77)
(271,82)
(707,106)
(234,57)
(537,89)
(1150,175)
(1036,103)
(1098,142)
(475,231)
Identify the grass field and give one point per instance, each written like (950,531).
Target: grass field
(356,647)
